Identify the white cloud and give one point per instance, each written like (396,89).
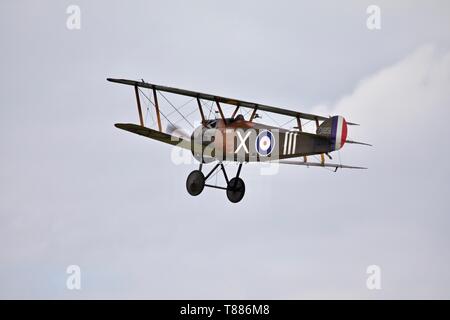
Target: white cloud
(403,99)
(403,110)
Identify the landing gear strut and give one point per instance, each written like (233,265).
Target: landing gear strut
(235,188)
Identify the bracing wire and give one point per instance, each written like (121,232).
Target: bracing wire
(162,95)
(183,105)
(287,122)
(209,107)
(149,113)
(155,106)
(271,118)
(187,115)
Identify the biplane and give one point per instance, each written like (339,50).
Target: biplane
(238,137)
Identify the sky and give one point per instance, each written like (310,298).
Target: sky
(77,191)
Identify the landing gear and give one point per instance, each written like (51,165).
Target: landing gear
(235,188)
(195,183)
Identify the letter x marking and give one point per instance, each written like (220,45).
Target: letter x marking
(242,141)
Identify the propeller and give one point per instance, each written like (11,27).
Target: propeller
(176,131)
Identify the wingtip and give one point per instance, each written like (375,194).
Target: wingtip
(125,126)
(365,144)
(351,167)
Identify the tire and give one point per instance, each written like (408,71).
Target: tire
(235,190)
(195,183)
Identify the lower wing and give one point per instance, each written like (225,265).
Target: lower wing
(155,135)
(316,164)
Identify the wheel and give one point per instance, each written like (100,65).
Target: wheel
(195,183)
(235,190)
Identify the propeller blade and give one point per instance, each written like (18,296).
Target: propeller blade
(176,131)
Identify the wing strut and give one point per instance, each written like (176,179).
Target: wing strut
(138,102)
(220,110)
(201,110)
(235,111)
(299,124)
(253,114)
(322,157)
(157,109)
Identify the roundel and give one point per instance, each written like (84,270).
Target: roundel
(265,143)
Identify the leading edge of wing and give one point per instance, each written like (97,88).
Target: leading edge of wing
(164,137)
(316,164)
(154,134)
(210,97)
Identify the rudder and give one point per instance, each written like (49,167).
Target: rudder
(334,128)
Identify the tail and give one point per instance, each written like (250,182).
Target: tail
(335,129)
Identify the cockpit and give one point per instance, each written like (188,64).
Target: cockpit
(213,123)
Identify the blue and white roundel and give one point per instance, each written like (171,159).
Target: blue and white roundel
(265,143)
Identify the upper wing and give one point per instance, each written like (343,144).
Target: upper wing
(220,99)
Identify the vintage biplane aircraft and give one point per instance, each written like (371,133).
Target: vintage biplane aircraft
(238,138)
